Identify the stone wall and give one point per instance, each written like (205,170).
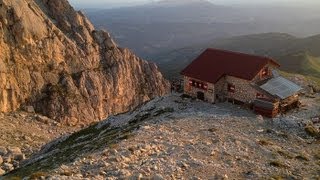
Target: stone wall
(221,91)
(209,95)
(245,90)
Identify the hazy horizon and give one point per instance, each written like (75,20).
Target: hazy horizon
(122,3)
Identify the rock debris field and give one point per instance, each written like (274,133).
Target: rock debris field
(176,138)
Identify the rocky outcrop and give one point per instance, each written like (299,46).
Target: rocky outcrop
(53,59)
(174,137)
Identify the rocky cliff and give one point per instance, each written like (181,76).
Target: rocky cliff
(52,58)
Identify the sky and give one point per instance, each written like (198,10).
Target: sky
(118,3)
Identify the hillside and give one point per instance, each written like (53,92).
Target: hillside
(296,55)
(53,61)
(171,137)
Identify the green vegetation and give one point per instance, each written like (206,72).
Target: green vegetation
(86,141)
(310,79)
(302,63)
(79,143)
(313,65)
(312,131)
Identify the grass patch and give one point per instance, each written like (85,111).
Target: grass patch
(79,144)
(312,131)
(311,79)
(312,65)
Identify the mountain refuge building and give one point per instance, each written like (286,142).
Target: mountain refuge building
(219,75)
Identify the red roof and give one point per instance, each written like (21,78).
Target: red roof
(213,64)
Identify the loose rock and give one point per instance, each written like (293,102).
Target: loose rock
(3,151)
(7,166)
(2,172)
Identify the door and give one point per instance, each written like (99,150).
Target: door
(200,95)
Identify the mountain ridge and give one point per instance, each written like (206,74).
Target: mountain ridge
(290,51)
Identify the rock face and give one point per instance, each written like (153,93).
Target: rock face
(53,59)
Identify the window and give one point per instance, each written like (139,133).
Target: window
(259,95)
(231,88)
(199,85)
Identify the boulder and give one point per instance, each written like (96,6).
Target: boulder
(29,109)
(3,151)
(124,173)
(19,157)
(137,176)
(14,150)
(27,138)
(2,172)
(312,131)
(1,160)
(7,166)
(42,119)
(7,158)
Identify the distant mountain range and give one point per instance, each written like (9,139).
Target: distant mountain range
(166,25)
(296,55)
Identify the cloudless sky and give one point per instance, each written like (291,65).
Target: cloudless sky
(118,3)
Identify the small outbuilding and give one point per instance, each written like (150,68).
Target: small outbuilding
(220,75)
